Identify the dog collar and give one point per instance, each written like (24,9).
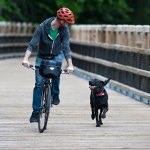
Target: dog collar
(100,94)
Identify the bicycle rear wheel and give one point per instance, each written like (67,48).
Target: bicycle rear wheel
(45,108)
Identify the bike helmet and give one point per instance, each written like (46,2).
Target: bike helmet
(66,14)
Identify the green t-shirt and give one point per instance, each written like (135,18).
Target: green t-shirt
(53,33)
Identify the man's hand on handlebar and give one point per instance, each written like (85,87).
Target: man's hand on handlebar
(70,69)
(26,63)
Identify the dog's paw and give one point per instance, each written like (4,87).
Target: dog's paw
(98,125)
(92,116)
(103,115)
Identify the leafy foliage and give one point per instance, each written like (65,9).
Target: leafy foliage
(86,11)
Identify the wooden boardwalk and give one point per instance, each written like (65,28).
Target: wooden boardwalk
(70,127)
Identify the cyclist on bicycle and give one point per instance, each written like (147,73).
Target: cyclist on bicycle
(51,38)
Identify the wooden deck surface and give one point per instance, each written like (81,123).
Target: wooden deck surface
(70,127)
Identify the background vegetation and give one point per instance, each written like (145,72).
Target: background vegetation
(86,11)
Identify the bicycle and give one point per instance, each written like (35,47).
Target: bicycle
(46,102)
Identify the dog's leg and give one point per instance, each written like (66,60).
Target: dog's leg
(100,116)
(93,113)
(104,113)
(97,118)
(92,106)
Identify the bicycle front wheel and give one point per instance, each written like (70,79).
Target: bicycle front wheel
(45,108)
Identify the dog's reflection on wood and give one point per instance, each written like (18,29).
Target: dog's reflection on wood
(98,100)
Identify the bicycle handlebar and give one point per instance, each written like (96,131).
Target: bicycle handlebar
(32,67)
(65,71)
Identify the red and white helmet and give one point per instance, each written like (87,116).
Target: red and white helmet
(66,14)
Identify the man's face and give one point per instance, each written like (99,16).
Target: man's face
(61,22)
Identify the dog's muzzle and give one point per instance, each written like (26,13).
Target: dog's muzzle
(92,87)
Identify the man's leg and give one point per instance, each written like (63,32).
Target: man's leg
(37,92)
(56,82)
(55,90)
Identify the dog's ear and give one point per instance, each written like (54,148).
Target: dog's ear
(91,82)
(106,81)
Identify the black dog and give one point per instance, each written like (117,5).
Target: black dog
(98,100)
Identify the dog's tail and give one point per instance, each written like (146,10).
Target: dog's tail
(106,81)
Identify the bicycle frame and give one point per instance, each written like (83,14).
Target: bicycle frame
(46,101)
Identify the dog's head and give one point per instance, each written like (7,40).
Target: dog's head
(97,86)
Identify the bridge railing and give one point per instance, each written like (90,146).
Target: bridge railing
(14,38)
(120,52)
(13,28)
(127,35)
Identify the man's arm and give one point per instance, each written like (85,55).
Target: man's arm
(25,61)
(70,67)
(66,48)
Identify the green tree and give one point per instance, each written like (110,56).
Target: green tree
(141,11)
(9,10)
(105,11)
(86,11)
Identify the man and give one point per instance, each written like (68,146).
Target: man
(51,39)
